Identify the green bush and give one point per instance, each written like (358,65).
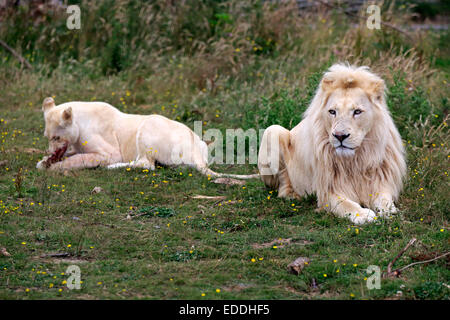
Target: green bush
(282,108)
(409,104)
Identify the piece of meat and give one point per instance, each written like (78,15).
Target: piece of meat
(57,155)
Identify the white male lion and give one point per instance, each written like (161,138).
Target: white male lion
(346,149)
(91,134)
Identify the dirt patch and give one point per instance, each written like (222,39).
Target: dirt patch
(87,297)
(322,295)
(65,260)
(26,150)
(237,287)
(293,290)
(60,258)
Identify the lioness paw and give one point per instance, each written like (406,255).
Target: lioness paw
(364,216)
(42,165)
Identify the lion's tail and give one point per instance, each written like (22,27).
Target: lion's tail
(209,172)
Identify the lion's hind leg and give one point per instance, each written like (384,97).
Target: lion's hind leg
(285,189)
(272,160)
(146,157)
(145,160)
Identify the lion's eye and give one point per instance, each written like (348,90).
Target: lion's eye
(356,112)
(332,112)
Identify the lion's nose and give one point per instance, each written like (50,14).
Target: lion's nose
(340,136)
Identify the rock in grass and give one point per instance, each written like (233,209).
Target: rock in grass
(297,266)
(4,252)
(97,190)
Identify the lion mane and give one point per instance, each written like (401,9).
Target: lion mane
(378,163)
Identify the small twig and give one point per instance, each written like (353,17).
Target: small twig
(421,262)
(209,197)
(364,18)
(56,255)
(15,54)
(129,216)
(389,267)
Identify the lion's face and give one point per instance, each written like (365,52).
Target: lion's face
(349,115)
(60,130)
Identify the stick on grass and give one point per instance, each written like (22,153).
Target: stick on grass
(15,54)
(391,273)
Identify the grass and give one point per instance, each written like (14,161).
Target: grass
(173,246)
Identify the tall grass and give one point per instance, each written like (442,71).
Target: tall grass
(259,56)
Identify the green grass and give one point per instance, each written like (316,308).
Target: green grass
(145,236)
(205,245)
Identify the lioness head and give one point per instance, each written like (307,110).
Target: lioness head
(59,128)
(353,101)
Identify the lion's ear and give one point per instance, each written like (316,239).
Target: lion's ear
(377,89)
(48,104)
(67,116)
(327,84)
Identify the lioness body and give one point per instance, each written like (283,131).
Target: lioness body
(91,134)
(99,134)
(346,149)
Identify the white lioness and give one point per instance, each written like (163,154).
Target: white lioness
(91,134)
(346,149)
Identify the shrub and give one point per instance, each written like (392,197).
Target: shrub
(282,108)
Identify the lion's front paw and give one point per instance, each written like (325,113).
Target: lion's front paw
(387,212)
(364,216)
(384,205)
(42,165)
(385,208)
